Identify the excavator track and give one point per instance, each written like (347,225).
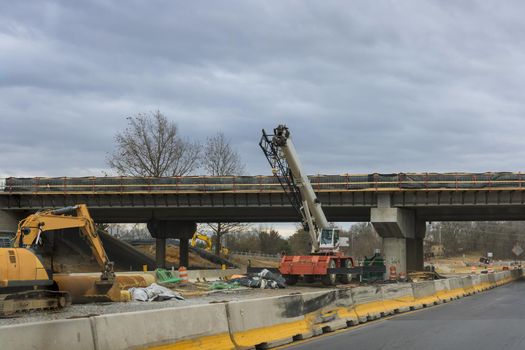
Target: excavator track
(10,304)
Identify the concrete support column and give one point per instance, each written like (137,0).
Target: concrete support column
(162,229)
(184,253)
(394,252)
(160,252)
(402,235)
(9,221)
(414,247)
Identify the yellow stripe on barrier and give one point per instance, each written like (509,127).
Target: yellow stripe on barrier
(348,314)
(274,333)
(468,290)
(391,305)
(212,342)
(485,285)
(450,294)
(371,310)
(428,300)
(478,287)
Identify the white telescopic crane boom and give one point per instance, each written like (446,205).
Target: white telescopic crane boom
(282,139)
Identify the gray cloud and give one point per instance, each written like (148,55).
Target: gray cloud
(364,86)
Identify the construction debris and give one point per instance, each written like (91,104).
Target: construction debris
(220,285)
(153,293)
(264,280)
(166,276)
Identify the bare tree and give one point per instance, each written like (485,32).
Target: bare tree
(220,159)
(220,229)
(363,240)
(150,146)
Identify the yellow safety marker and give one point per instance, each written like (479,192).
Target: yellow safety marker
(212,342)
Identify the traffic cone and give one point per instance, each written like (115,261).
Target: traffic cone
(402,276)
(393,274)
(473,269)
(183,274)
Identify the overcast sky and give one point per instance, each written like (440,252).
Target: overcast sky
(365,86)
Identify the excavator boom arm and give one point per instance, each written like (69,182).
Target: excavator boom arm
(30,230)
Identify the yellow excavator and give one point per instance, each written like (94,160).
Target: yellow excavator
(25,282)
(209,244)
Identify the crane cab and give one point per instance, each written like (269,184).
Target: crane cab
(329,239)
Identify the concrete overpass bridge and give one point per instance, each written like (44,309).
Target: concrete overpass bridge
(398,205)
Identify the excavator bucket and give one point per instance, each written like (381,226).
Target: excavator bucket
(87,287)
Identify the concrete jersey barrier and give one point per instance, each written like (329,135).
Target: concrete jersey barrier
(243,324)
(276,321)
(192,327)
(267,320)
(484,281)
(398,297)
(425,293)
(468,287)
(456,288)
(368,303)
(50,335)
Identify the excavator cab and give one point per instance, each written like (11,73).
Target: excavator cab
(329,238)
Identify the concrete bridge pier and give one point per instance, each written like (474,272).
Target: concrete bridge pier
(415,253)
(402,235)
(162,229)
(9,221)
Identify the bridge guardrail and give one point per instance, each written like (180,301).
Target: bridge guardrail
(263,184)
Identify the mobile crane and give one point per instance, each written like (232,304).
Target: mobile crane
(25,282)
(325,261)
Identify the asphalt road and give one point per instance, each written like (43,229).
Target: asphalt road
(494,319)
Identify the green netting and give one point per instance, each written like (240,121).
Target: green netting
(165,276)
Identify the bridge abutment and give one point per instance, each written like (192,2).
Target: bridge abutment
(162,229)
(402,235)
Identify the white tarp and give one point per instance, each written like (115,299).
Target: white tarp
(153,293)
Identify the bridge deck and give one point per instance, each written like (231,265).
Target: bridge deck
(264,184)
(347,197)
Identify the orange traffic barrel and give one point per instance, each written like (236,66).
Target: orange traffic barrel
(393,273)
(402,276)
(183,274)
(473,270)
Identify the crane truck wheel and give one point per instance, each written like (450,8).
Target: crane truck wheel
(330,278)
(347,277)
